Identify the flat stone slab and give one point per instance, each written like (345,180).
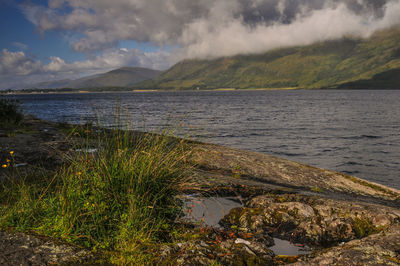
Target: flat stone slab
(239,166)
(23,249)
(378,249)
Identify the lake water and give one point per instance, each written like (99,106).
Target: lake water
(354,132)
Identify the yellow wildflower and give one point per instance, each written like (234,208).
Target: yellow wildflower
(11,152)
(8,160)
(4,166)
(79,173)
(92,204)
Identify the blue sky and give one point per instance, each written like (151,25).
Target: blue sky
(32,48)
(16,29)
(45,40)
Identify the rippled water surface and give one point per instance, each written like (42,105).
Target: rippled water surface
(354,132)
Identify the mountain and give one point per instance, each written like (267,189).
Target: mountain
(385,80)
(52,84)
(122,77)
(345,63)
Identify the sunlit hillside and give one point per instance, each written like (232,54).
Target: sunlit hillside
(321,65)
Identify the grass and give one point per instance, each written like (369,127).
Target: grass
(9,113)
(363,227)
(370,185)
(317,189)
(119,198)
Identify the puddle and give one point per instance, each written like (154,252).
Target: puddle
(284,247)
(20,164)
(88,150)
(208,210)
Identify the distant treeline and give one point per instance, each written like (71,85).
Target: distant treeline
(66,90)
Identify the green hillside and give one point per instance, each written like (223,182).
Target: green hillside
(122,77)
(321,65)
(385,80)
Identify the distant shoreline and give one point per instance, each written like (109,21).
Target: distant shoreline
(185,90)
(141,90)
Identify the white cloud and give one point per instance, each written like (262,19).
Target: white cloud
(231,36)
(16,63)
(20,46)
(197,24)
(201,40)
(198,29)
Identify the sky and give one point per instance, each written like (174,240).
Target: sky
(45,40)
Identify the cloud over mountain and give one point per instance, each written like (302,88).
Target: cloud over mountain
(192,29)
(213,27)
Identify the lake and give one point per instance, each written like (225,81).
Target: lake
(354,132)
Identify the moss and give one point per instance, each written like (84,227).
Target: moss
(278,216)
(392,259)
(281,199)
(317,189)
(370,185)
(363,227)
(294,212)
(236,214)
(191,236)
(237,172)
(215,263)
(22,129)
(284,259)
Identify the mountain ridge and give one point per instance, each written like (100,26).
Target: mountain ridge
(120,77)
(329,64)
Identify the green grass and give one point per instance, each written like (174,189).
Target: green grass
(317,189)
(120,198)
(363,227)
(9,113)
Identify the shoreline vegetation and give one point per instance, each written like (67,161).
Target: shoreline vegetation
(115,191)
(112,196)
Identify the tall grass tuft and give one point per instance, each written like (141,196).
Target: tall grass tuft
(116,192)
(9,112)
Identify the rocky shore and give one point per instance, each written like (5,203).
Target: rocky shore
(343,219)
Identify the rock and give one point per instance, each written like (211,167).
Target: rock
(165,251)
(260,201)
(312,220)
(274,173)
(241,241)
(23,249)
(369,232)
(378,249)
(228,252)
